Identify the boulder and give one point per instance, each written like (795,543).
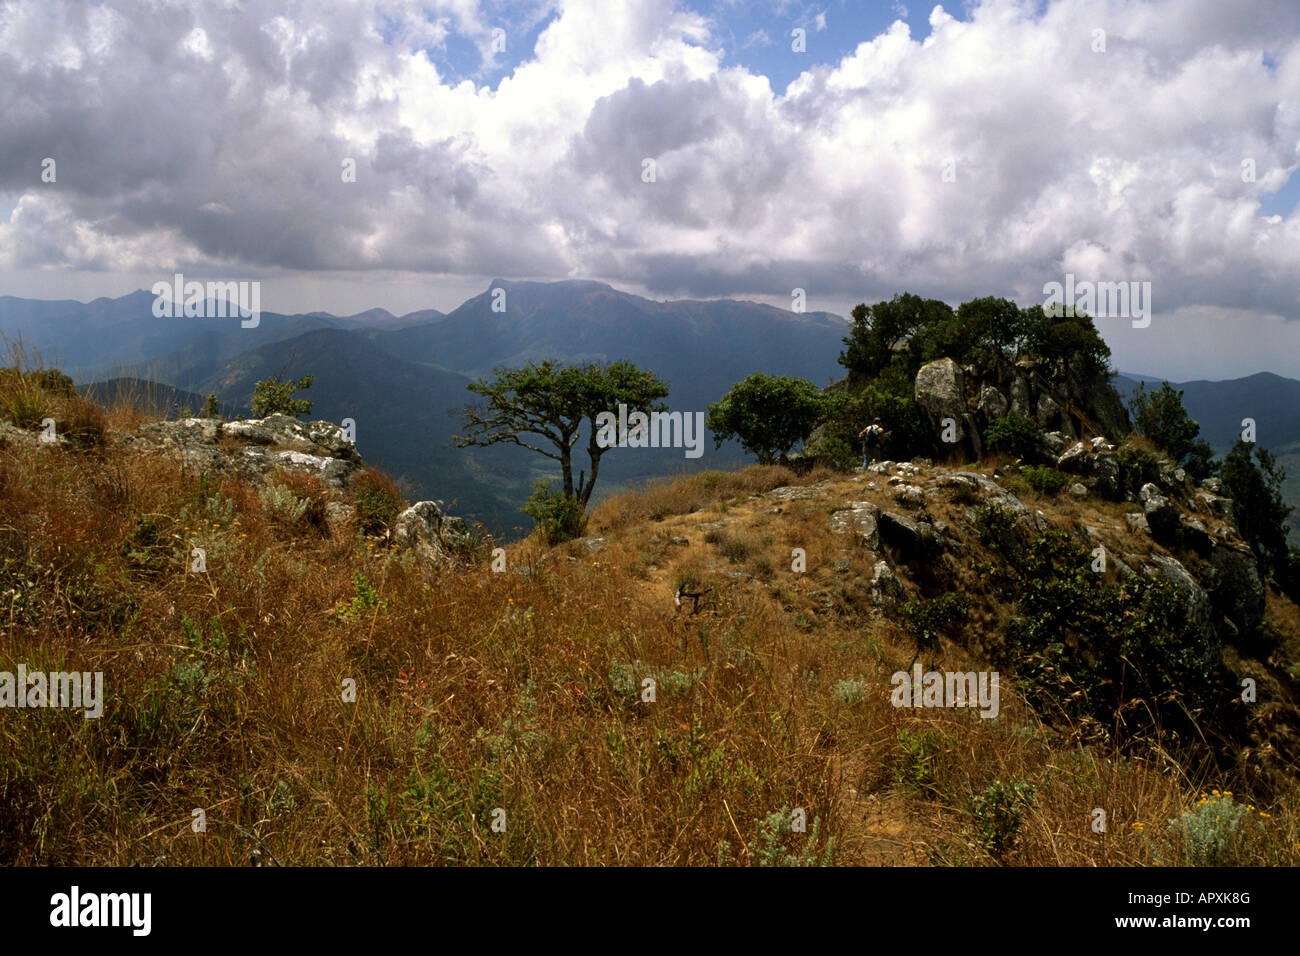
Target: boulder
(1162,518)
(992,404)
(420,528)
(941,394)
(1106,475)
(1048,410)
(909,496)
(1195,603)
(319,438)
(1078,491)
(1020,395)
(886,588)
(912,540)
(1076,460)
(1056,443)
(861,518)
(1236,589)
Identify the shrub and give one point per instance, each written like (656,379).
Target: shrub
(998,529)
(1161,417)
(1117,652)
(365,598)
(281,503)
(559,517)
(1137,466)
(376,499)
(1014,435)
(1212,831)
(1255,487)
(768,849)
(274,397)
(999,814)
(1046,481)
(915,768)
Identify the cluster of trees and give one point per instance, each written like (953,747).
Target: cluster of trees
(546,407)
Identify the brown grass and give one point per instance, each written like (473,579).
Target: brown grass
(521,691)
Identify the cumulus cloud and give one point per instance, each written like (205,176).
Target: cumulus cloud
(992,156)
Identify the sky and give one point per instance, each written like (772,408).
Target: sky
(351,154)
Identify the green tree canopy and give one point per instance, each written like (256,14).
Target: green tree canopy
(767,414)
(274,397)
(544,406)
(1255,487)
(1161,417)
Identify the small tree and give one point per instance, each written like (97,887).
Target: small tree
(1255,487)
(553,402)
(1161,417)
(211,407)
(273,397)
(769,415)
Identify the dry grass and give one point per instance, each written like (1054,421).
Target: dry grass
(520,690)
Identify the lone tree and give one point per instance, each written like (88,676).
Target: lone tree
(768,414)
(552,402)
(272,397)
(1161,417)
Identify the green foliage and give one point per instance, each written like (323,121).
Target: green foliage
(53,381)
(928,618)
(1066,336)
(559,517)
(849,692)
(365,599)
(1083,646)
(1213,830)
(767,414)
(891,397)
(882,331)
(376,499)
(916,767)
(998,529)
(1014,435)
(1137,467)
(273,397)
(554,402)
(769,848)
(1046,481)
(1255,487)
(281,503)
(1161,417)
(999,815)
(212,407)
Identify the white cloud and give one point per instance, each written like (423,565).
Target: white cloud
(217,137)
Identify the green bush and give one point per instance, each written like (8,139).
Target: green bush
(376,499)
(1014,435)
(1046,481)
(1137,467)
(768,849)
(559,517)
(1082,646)
(1255,487)
(273,397)
(1212,831)
(999,815)
(916,765)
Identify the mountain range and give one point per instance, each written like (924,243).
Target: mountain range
(403,378)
